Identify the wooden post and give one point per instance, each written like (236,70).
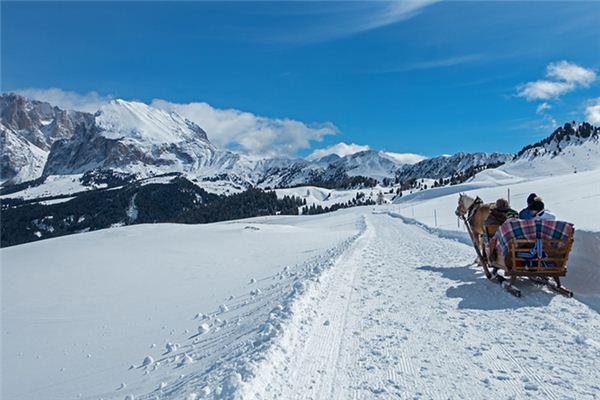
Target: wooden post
(435,216)
(508,195)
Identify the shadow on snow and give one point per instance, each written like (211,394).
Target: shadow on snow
(478,293)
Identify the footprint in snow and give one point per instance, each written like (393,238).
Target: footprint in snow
(530,386)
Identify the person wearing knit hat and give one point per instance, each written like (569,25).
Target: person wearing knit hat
(526,212)
(538,210)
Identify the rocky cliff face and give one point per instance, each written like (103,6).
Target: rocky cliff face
(27,131)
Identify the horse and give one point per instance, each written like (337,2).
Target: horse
(474,212)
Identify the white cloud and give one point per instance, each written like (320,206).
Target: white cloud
(393,12)
(592,112)
(438,63)
(335,20)
(89,102)
(341,149)
(251,134)
(564,77)
(570,72)
(542,108)
(545,90)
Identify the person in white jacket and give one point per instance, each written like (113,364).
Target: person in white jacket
(538,210)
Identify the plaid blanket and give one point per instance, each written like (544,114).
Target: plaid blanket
(530,230)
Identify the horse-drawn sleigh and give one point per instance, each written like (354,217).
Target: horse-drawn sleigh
(536,249)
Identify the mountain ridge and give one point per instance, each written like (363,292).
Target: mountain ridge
(134,138)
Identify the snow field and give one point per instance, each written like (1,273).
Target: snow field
(572,197)
(83,314)
(403,315)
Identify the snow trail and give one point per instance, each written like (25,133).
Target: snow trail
(403,315)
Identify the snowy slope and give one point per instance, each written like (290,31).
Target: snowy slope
(78,311)
(446,166)
(144,124)
(21,160)
(328,197)
(574,158)
(571,196)
(403,315)
(394,312)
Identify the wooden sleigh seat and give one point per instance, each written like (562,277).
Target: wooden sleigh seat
(539,259)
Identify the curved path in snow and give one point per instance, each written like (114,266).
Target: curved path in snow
(403,315)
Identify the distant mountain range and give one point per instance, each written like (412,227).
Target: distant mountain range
(67,172)
(140,141)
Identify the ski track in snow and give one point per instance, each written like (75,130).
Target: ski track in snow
(233,344)
(403,314)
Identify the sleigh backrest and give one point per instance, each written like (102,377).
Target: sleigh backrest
(539,257)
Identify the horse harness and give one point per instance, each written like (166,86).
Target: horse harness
(472,210)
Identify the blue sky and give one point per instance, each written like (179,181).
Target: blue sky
(422,77)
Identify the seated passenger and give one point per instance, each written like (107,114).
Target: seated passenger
(526,212)
(500,212)
(538,210)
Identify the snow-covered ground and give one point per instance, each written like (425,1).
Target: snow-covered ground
(62,185)
(353,304)
(404,315)
(573,197)
(362,303)
(54,185)
(78,311)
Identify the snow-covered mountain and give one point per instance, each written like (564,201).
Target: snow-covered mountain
(369,163)
(141,141)
(135,138)
(27,131)
(374,164)
(572,148)
(448,166)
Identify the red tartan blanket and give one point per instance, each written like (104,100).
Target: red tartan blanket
(530,230)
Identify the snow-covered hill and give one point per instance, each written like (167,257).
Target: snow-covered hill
(448,166)
(79,311)
(569,149)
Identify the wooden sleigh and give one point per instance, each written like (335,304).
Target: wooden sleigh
(544,261)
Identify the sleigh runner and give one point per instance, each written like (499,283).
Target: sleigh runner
(536,249)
